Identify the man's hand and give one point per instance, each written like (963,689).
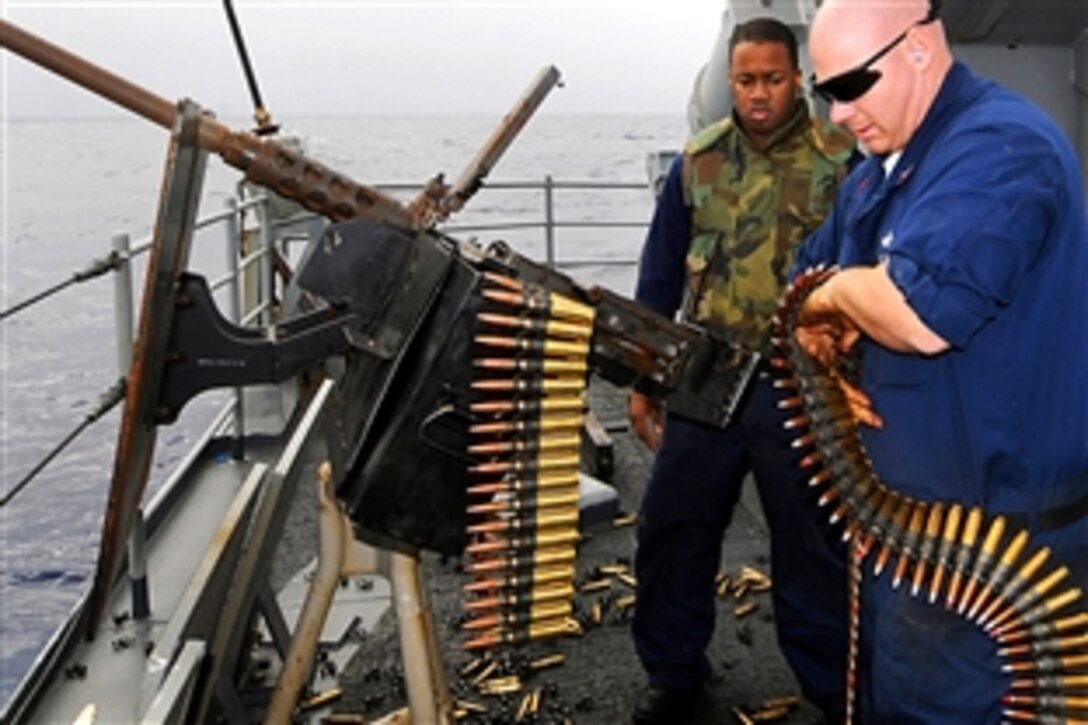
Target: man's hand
(826,333)
(646,419)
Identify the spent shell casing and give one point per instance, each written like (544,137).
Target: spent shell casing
(983,561)
(546,662)
(1001,572)
(1017,583)
(964,555)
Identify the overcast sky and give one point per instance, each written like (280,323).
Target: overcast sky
(358,57)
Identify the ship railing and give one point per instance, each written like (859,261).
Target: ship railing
(253,246)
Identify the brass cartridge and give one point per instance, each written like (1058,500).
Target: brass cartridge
(1052,645)
(1019,581)
(536,463)
(1022,603)
(544,424)
(964,554)
(983,561)
(525,505)
(530,406)
(912,538)
(927,549)
(1000,574)
(515,483)
(536,595)
(535,385)
(896,530)
(536,631)
(547,326)
(540,557)
(944,550)
(512,580)
(1046,629)
(538,613)
(545,444)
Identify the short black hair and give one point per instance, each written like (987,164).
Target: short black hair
(765,30)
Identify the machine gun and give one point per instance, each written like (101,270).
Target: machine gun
(392,298)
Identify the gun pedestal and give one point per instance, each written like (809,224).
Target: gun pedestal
(341,555)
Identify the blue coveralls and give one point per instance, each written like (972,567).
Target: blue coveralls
(688,502)
(982,225)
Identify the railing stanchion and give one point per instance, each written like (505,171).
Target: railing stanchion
(549,221)
(122,303)
(267,266)
(234,293)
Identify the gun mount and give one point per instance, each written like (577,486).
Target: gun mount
(395,302)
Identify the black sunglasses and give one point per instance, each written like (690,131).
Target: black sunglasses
(856,82)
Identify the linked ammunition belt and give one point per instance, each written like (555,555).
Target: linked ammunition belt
(529,396)
(973,562)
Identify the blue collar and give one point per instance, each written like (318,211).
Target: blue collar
(959,89)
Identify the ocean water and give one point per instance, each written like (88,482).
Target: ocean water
(66,187)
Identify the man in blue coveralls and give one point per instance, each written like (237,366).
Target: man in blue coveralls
(731,214)
(964,280)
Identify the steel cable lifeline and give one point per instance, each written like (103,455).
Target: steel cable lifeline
(1041,629)
(106,402)
(96,268)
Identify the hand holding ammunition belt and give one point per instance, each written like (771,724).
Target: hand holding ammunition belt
(1043,635)
(523,509)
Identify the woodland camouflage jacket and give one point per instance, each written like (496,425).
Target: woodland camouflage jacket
(750,209)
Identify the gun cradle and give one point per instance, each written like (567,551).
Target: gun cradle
(399,309)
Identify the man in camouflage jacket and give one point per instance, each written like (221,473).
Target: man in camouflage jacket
(733,210)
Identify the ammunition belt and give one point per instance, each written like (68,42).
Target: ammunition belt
(992,578)
(530,362)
